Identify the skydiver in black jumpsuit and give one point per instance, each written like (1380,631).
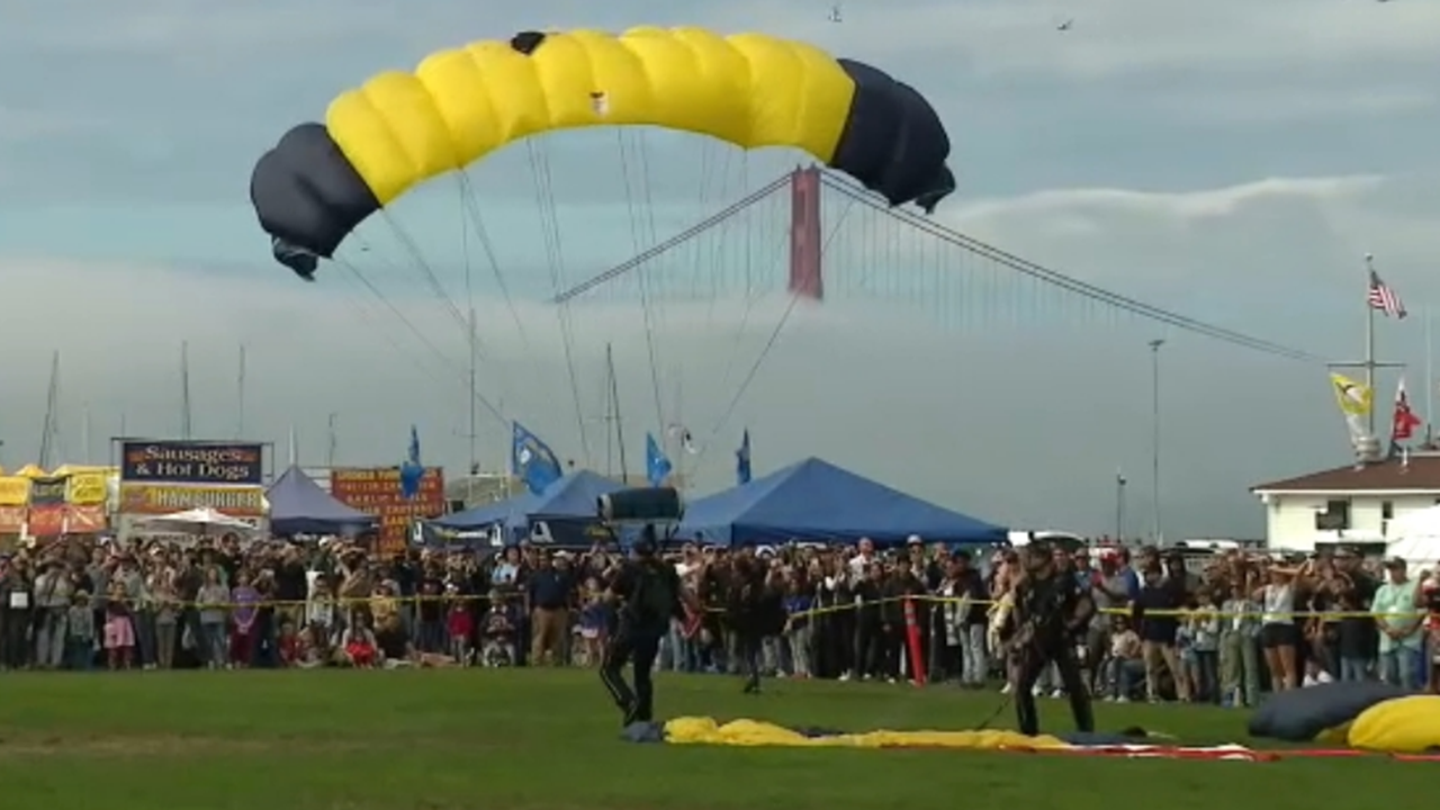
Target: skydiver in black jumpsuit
(1051,610)
(649,594)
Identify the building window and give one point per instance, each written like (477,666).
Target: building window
(1387,510)
(1335,518)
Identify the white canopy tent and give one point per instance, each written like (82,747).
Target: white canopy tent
(1415,538)
(196,523)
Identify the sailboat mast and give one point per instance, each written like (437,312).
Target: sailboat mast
(609,417)
(1429,369)
(615,404)
(684,450)
(85,435)
(240,396)
(185,432)
(48,435)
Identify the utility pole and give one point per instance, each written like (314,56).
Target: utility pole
(332,441)
(1155,345)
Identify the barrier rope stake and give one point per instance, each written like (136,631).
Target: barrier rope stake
(912,636)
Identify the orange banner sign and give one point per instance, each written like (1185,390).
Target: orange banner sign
(376,491)
(46,521)
(81,519)
(12,519)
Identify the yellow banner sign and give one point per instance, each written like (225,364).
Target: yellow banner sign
(85,489)
(162,499)
(14,490)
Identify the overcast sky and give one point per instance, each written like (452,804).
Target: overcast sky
(1229,160)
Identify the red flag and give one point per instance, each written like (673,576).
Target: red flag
(1404,422)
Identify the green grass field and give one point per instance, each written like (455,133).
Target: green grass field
(547,740)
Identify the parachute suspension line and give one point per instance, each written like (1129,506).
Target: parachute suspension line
(482,235)
(396,269)
(771,341)
(417,259)
(355,300)
(1056,279)
(716,221)
(638,240)
(554,249)
(419,335)
(753,295)
(722,257)
(652,234)
(711,263)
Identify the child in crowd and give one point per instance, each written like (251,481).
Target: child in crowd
(119,632)
(1126,664)
(1205,646)
(498,633)
(288,645)
(80,633)
(460,625)
(594,623)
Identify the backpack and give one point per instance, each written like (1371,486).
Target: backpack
(654,597)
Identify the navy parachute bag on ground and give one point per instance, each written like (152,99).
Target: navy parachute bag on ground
(1301,715)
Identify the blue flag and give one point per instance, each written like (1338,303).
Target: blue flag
(533,460)
(657,466)
(411,470)
(742,460)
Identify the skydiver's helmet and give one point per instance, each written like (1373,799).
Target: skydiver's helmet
(1038,556)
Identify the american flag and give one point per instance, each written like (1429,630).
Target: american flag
(1383,298)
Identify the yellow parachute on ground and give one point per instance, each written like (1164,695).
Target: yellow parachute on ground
(753,733)
(400,129)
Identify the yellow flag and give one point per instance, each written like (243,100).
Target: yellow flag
(1353,398)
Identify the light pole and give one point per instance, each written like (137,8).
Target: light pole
(1120,507)
(1155,437)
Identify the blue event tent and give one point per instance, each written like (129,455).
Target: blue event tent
(815,501)
(573,496)
(298,505)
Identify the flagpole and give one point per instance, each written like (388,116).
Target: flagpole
(1377,296)
(1370,337)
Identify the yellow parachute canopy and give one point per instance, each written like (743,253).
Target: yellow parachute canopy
(399,129)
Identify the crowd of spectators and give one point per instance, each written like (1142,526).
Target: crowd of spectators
(1222,631)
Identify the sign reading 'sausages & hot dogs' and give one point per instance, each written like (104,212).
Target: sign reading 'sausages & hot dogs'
(192,463)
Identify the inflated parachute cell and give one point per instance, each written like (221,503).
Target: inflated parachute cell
(400,129)
(1303,715)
